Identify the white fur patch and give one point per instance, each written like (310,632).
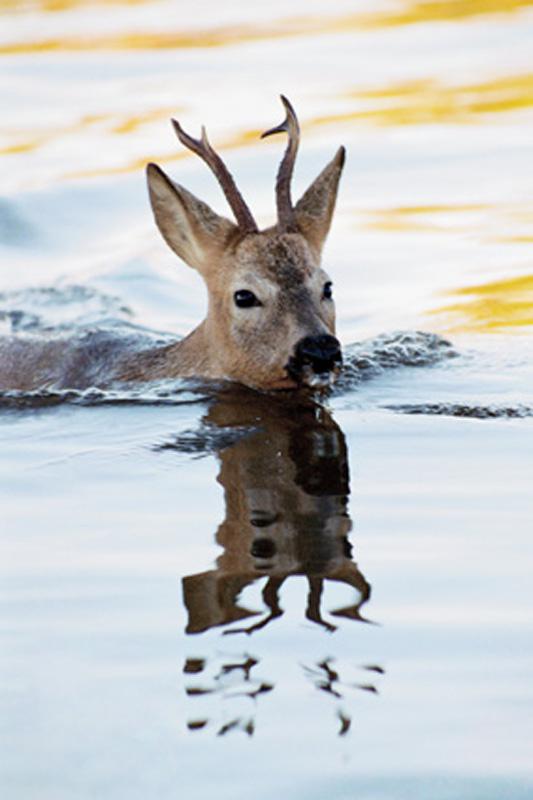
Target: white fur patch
(321,381)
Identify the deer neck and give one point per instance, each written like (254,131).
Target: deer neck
(192,355)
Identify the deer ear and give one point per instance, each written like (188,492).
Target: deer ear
(187,225)
(315,208)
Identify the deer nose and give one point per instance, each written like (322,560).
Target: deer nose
(322,353)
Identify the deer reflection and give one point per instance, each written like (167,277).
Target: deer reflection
(286,486)
(284,471)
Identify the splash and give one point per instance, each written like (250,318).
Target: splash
(52,309)
(164,393)
(368,359)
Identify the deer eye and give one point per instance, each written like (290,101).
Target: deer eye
(327,291)
(245,299)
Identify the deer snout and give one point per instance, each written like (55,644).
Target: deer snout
(315,359)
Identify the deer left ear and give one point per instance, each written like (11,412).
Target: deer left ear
(314,210)
(188,225)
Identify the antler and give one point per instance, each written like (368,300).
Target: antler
(203,149)
(286,216)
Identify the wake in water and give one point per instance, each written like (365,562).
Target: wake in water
(372,357)
(51,332)
(490,411)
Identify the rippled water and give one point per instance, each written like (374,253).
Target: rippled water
(214,592)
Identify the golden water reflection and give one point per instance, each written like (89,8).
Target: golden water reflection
(430,101)
(409,12)
(56,6)
(112,123)
(284,472)
(420,218)
(492,307)
(413,103)
(503,304)
(505,222)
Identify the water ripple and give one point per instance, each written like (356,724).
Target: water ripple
(464,410)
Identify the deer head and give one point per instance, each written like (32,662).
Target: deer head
(271,315)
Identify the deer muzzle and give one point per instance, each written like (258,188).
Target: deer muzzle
(317,361)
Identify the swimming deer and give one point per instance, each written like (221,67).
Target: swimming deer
(271,319)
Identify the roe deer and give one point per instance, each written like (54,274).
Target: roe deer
(271,318)
(270,322)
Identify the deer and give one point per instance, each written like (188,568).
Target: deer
(270,322)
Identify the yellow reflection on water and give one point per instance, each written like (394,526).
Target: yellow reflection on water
(127,123)
(415,102)
(505,304)
(408,12)
(157,40)
(240,139)
(441,10)
(111,122)
(418,218)
(63,5)
(499,222)
(430,101)
(418,102)
(491,307)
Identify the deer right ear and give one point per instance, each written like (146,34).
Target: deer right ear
(315,208)
(187,225)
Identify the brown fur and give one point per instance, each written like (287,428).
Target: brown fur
(251,346)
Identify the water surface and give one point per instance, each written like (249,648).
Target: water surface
(218,593)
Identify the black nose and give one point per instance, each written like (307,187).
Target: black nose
(322,352)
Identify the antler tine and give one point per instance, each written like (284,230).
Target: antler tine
(203,148)
(286,218)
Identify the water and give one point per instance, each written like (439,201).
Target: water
(212,592)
